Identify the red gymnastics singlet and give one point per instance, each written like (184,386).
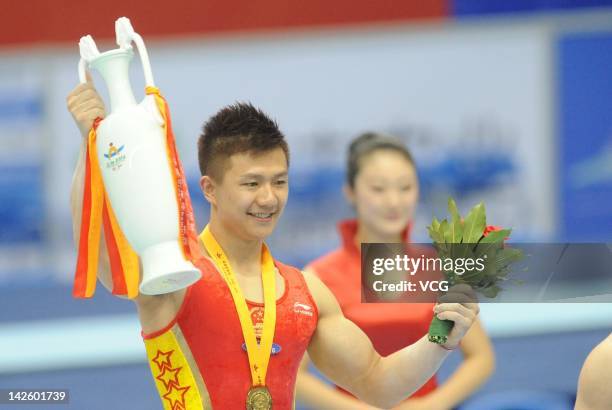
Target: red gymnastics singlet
(198,360)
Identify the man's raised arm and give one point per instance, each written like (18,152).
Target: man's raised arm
(85,105)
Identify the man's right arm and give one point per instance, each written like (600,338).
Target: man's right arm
(85,105)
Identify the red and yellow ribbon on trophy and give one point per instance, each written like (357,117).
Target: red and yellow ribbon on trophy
(139,191)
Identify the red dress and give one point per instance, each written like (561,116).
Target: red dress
(390,326)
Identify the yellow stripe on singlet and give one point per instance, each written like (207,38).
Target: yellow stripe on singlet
(175,373)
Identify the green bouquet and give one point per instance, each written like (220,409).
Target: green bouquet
(470,238)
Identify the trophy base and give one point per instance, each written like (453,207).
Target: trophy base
(165,270)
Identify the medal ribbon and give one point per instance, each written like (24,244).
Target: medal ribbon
(259,355)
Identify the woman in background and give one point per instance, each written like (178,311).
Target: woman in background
(382,187)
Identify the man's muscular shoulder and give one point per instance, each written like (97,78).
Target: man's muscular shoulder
(327,304)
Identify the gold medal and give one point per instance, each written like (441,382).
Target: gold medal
(259,398)
(258,353)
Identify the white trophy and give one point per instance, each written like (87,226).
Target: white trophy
(131,146)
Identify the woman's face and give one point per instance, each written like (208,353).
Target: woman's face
(385,192)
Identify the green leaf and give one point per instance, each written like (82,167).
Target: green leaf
(496,236)
(434,231)
(456,225)
(472,276)
(491,291)
(435,224)
(457,231)
(452,209)
(441,249)
(445,231)
(506,256)
(474,224)
(491,242)
(434,234)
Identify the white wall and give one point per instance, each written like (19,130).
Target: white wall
(450,89)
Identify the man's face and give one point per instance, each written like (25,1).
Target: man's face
(252,194)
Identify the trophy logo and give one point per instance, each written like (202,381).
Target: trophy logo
(115,157)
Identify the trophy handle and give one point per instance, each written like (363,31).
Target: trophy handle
(125,35)
(82,71)
(88,51)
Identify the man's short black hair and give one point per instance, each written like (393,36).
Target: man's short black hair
(237,128)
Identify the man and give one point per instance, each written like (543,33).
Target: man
(198,351)
(595,379)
